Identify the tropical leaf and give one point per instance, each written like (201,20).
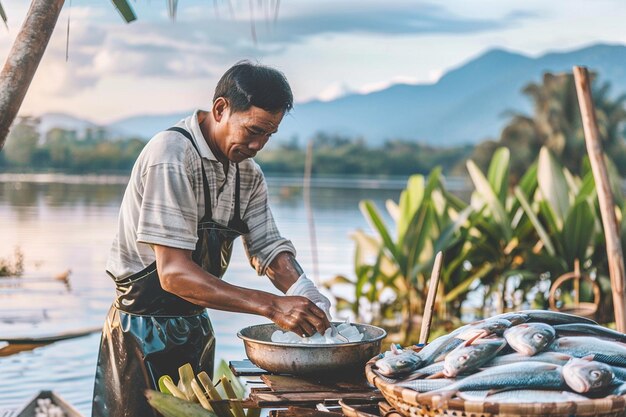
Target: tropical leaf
(371,213)
(587,189)
(410,199)
(393,209)
(172,5)
(498,174)
(543,235)
(553,185)
(464,286)
(489,197)
(125,9)
(445,238)
(578,232)
(3,15)
(338,280)
(418,235)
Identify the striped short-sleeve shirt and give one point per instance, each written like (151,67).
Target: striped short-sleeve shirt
(164,201)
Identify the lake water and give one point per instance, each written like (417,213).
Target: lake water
(63,223)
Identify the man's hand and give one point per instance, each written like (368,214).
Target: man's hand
(305,288)
(299,315)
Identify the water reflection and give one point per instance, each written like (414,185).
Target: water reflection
(69,225)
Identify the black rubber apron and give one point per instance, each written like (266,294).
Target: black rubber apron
(150,332)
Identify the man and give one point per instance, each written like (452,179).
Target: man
(192,191)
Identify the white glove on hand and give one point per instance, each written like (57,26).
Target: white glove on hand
(304,287)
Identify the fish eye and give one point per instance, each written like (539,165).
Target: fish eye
(538,336)
(401,363)
(595,374)
(463,358)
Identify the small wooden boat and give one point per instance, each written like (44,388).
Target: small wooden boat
(29,408)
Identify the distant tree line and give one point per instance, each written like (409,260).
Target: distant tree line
(555,124)
(63,150)
(96,152)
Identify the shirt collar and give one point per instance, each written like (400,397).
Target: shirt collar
(196,132)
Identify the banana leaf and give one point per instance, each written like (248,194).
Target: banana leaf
(410,199)
(498,173)
(369,210)
(578,233)
(553,185)
(543,235)
(489,197)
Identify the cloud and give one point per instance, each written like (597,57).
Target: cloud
(204,40)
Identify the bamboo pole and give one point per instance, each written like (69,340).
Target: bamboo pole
(308,168)
(605,195)
(430,299)
(24,58)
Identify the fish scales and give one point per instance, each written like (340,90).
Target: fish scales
(425,385)
(522,396)
(577,329)
(613,353)
(554,358)
(516,376)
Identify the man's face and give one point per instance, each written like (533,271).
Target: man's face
(243,134)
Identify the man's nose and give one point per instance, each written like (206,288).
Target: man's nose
(257,145)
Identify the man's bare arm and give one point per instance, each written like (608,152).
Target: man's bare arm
(181,276)
(284,270)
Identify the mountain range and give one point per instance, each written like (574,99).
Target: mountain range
(466,105)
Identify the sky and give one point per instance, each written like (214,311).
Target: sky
(326,48)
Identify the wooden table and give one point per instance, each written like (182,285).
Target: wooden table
(298,396)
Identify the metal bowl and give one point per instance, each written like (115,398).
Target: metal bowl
(313,359)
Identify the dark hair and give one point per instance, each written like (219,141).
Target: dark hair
(247,84)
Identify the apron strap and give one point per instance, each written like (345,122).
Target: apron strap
(208,212)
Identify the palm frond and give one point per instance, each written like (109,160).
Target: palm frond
(126,11)
(3,15)
(172,6)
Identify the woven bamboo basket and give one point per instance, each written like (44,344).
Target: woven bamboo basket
(405,401)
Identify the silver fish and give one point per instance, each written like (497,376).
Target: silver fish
(514,317)
(399,363)
(613,353)
(524,375)
(467,358)
(547,357)
(482,328)
(432,369)
(530,338)
(522,396)
(555,317)
(587,376)
(619,372)
(619,390)
(584,329)
(425,385)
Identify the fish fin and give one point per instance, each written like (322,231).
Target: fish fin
(479,335)
(588,358)
(436,375)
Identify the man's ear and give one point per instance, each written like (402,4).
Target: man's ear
(220,105)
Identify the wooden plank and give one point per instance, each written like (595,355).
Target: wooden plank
(245,368)
(605,196)
(312,398)
(282,383)
(303,412)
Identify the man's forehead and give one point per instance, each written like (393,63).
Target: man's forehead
(262,118)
